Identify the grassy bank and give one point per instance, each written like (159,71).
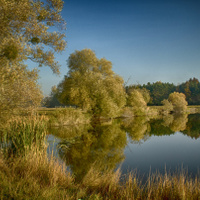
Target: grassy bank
(64,116)
(37,177)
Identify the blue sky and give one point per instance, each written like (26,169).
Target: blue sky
(146,40)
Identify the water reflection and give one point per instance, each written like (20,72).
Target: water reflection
(100,147)
(193,126)
(179,122)
(137,128)
(103,147)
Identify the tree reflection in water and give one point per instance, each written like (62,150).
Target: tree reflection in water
(137,128)
(193,126)
(100,147)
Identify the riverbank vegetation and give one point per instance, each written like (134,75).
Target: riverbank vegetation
(37,177)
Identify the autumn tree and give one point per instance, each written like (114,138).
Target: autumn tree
(26,34)
(167,107)
(178,101)
(137,100)
(92,85)
(18,89)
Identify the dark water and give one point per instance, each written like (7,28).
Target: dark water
(167,144)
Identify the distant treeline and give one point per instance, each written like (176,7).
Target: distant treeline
(160,91)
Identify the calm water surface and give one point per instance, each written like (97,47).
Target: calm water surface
(168,144)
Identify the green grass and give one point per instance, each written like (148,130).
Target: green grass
(22,134)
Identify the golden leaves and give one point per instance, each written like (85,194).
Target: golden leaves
(26,23)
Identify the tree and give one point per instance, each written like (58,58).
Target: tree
(167,106)
(138,99)
(25,34)
(25,31)
(178,101)
(52,100)
(92,85)
(191,89)
(18,89)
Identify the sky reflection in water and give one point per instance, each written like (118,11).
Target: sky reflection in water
(167,144)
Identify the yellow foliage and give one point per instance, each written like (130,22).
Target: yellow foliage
(92,85)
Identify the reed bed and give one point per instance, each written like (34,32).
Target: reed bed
(22,134)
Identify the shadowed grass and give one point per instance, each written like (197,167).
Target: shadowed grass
(34,177)
(37,177)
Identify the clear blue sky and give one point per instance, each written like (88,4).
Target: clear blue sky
(146,40)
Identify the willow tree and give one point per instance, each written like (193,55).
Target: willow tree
(18,89)
(92,85)
(137,100)
(26,34)
(178,100)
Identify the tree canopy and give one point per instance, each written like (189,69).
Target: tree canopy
(178,101)
(26,33)
(160,91)
(137,100)
(92,85)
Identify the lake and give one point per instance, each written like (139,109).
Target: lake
(170,143)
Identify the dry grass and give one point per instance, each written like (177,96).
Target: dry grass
(37,177)
(34,177)
(65,116)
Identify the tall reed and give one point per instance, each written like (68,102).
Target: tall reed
(23,134)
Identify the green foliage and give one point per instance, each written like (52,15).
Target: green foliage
(160,91)
(18,89)
(24,135)
(10,51)
(98,147)
(25,34)
(25,31)
(191,89)
(178,101)
(137,100)
(52,100)
(137,128)
(92,85)
(167,106)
